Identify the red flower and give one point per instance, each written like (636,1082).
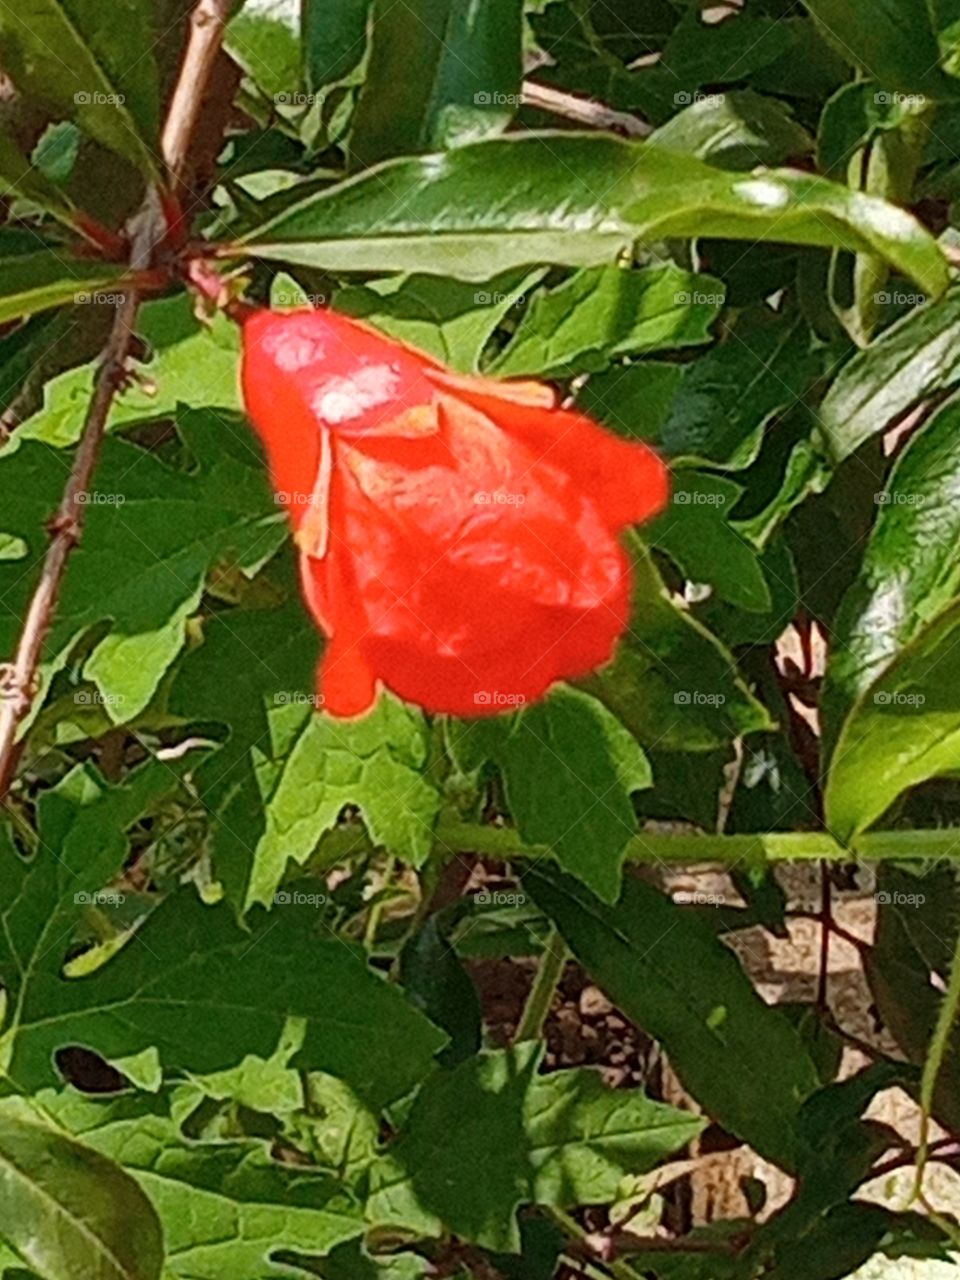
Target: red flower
(458,536)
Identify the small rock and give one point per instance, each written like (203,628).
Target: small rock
(593,1003)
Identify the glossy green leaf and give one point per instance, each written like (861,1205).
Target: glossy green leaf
(735,130)
(68,1210)
(102,74)
(440,73)
(666,969)
(715,409)
(695,530)
(33,282)
(512,1137)
(902,730)
(225,1208)
(570,769)
(913,359)
(891,41)
(605,312)
(449,319)
(574,200)
(910,571)
(268,48)
(334,34)
(672,683)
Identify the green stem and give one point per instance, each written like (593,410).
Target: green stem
(550,971)
(934,1061)
(505,844)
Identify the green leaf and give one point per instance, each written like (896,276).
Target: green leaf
(741,1059)
(152,536)
(605,312)
(913,359)
(511,1137)
(735,130)
(892,42)
(68,1211)
(672,683)
(225,1208)
(32,282)
(19,178)
(436,981)
(902,730)
(695,531)
(207,992)
(268,49)
(852,118)
(82,823)
(715,409)
(570,769)
(578,201)
(192,363)
(449,319)
(376,763)
(102,74)
(334,34)
(253,669)
(441,73)
(910,571)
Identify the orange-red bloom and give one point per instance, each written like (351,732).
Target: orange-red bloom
(458,536)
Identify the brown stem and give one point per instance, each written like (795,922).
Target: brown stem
(583,111)
(207,24)
(18,678)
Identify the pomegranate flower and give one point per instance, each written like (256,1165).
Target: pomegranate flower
(458,536)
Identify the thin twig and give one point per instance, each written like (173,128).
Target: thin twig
(18,679)
(207,24)
(583,110)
